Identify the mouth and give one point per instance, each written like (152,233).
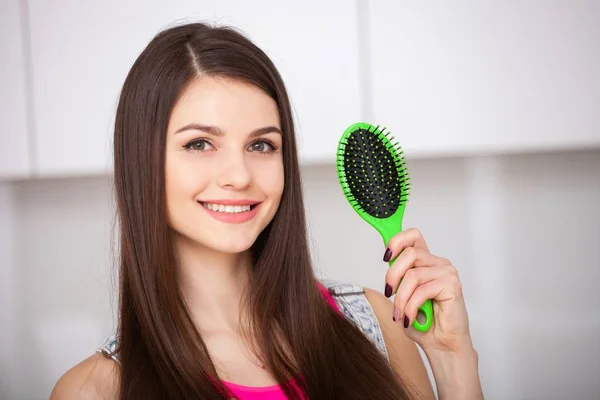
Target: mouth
(236,212)
(229,208)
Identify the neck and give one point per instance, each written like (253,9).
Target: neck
(212,284)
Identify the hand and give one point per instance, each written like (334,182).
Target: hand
(417,275)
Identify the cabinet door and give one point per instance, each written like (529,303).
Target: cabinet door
(14,139)
(494,76)
(82,52)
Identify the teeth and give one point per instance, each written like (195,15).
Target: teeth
(226,209)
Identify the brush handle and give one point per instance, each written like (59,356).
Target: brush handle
(427,310)
(386,234)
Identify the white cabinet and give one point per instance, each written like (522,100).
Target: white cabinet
(14,137)
(473,77)
(82,52)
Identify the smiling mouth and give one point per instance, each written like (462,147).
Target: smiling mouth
(228,209)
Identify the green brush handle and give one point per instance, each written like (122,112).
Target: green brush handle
(427,307)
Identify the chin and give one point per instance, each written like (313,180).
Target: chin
(224,243)
(223,238)
(232,248)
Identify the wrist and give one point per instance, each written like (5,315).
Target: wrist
(456,373)
(451,347)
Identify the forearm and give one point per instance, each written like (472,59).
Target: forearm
(456,374)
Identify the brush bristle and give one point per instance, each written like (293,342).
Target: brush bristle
(373,171)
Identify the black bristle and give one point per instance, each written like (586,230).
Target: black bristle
(372,175)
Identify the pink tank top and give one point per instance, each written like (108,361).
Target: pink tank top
(270,392)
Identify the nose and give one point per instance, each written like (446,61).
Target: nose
(234,173)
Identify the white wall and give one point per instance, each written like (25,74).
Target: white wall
(533,302)
(57,278)
(8,293)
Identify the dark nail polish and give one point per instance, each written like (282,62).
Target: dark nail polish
(387,255)
(406,321)
(388,290)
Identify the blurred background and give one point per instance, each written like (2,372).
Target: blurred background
(496,104)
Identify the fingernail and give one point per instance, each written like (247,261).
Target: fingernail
(387,255)
(388,290)
(406,321)
(396,316)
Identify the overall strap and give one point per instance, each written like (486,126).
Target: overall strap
(353,303)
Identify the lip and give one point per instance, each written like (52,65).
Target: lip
(237,218)
(229,202)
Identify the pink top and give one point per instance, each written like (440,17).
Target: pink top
(270,392)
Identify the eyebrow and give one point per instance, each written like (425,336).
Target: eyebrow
(213,130)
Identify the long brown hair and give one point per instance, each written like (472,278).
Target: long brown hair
(298,334)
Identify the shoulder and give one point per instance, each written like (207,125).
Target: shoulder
(403,352)
(94,378)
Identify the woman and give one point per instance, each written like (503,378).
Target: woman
(217,294)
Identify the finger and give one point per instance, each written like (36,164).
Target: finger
(409,258)
(445,287)
(429,290)
(411,237)
(413,279)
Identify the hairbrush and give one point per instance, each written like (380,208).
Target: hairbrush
(372,172)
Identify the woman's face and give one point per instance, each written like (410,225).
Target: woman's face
(224,164)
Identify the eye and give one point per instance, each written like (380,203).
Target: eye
(199,145)
(262,146)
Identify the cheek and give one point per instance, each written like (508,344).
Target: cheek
(181,181)
(270,179)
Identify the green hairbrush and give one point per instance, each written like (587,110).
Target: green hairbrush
(372,171)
